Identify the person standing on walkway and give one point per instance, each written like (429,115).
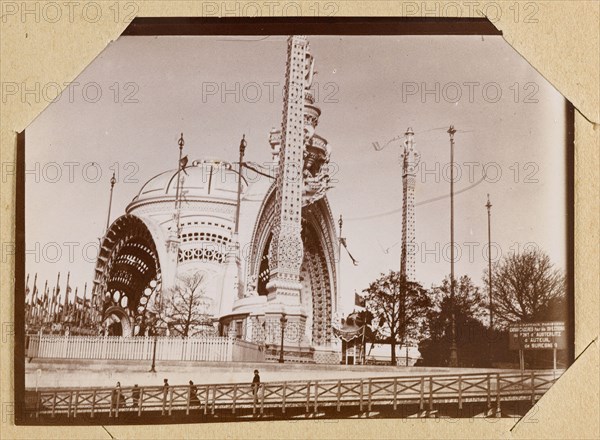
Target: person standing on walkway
(165,394)
(135,395)
(117,397)
(194,400)
(255,385)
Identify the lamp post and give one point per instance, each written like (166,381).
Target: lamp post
(283,321)
(453,361)
(153,326)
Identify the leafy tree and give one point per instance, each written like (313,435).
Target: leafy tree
(526,287)
(398,306)
(472,335)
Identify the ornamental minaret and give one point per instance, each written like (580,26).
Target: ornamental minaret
(286,251)
(410,160)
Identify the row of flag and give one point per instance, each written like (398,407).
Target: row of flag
(49,306)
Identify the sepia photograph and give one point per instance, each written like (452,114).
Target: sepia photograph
(252,226)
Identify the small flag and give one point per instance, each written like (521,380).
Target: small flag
(183,163)
(359,300)
(27,288)
(343,242)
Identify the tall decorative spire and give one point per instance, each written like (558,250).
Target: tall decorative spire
(286,251)
(286,247)
(410,160)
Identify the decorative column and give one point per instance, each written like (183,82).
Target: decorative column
(286,251)
(410,160)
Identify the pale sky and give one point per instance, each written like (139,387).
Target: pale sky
(369,89)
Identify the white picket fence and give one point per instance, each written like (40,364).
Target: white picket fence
(210,348)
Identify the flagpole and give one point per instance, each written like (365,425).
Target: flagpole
(27,299)
(83,315)
(74,310)
(488,205)
(40,310)
(181,143)
(32,299)
(453,361)
(55,292)
(93,308)
(239,189)
(51,306)
(66,299)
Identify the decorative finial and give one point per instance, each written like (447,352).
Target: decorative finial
(451,130)
(243,144)
(340,221)
(113,180)
(181,142)
(488,205)
(409,131)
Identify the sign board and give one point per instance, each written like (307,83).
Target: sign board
(537,336)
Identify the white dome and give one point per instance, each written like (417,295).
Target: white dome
(204,179)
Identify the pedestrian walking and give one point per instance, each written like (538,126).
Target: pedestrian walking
(194,400)
(255,384)
(135,395)
(165,394)
(117,397)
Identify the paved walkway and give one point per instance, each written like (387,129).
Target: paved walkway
(49,373)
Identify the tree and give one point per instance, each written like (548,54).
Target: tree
(397,305)
(526,288)
(472,336)
(187,306)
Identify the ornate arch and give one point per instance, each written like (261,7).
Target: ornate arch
(127,270)
(320,255)
(117,315)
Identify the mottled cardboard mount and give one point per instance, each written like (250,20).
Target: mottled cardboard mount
(44,42)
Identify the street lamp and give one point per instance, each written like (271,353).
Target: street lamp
(283,321)
(153,327)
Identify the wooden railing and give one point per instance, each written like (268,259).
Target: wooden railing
(213,348)
(309,396)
